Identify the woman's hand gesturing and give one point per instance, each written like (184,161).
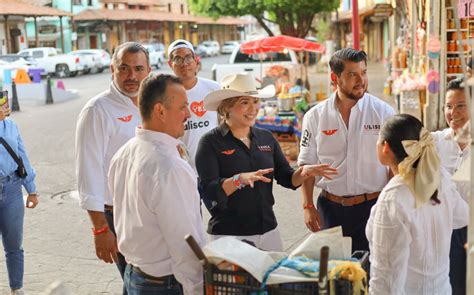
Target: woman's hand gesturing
(249,178)
(323,170)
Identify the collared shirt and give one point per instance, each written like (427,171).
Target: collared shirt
(105,124)
(248,211)
(409,247)
(352,150)
(10,133)
(201,120)
(452,156)
(156,205)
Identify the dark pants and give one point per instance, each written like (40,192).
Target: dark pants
(109,215)
(457,261)
(138,283)
(353,220)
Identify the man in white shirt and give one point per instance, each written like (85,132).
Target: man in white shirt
(342,131)
(452,155)
(106,123)
(183,61)
(155,195)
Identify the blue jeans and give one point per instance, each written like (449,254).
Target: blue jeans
(12,211)
(141,284)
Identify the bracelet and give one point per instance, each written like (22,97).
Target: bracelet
(309,206)
(100,230)
(236,181)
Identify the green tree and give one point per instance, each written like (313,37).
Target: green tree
(294,17)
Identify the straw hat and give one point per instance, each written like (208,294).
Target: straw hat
(234,85)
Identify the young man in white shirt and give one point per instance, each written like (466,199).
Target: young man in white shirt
(452,155)
(155,195)
(184,63)
(182,60)
(342,131)
(106,123)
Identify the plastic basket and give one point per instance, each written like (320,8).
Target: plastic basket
(238,281)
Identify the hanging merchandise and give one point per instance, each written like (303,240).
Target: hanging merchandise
(434,47)
(432,79)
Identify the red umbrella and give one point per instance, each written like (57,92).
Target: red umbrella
(279,43)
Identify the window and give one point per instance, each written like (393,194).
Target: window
(182,8)
(169,7)
(38,54)
(89,3)
(76,2)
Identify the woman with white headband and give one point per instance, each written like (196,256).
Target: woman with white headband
(409,229)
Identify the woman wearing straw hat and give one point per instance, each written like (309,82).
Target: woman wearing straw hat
(237,163)
(410,226)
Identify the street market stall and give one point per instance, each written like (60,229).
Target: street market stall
(283,116)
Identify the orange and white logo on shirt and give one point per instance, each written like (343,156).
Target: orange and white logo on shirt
(329,132)
(126,118)
(197,107)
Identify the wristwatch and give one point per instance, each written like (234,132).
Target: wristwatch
(236,181)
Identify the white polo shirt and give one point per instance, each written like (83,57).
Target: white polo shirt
(156,205)
(105,124)
(326,139)
(452,156)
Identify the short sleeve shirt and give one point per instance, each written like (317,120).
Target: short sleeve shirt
(326,140)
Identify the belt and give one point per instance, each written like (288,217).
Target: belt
(348,201)
(108,208)
(169,279)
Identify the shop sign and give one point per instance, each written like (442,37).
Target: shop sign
(465,8)
(383,10)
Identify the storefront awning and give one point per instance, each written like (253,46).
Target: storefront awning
(15,7)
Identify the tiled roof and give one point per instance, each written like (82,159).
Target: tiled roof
(149,15)
(16,7)
(127,14)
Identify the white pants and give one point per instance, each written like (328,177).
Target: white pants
(269,241)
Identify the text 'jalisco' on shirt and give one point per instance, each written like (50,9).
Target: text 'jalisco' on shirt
(327,140)
(201,120)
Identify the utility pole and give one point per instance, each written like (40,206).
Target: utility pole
(355,25)
(73,28)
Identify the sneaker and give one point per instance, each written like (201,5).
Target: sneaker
(17,292)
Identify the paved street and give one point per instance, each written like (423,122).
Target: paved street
(58,241)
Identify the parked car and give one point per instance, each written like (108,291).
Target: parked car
(19,60)
(48,58)
(258,65)
(229,47)
(101,58)
(101,55)
(156,52)
(210,48)
(87,61)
